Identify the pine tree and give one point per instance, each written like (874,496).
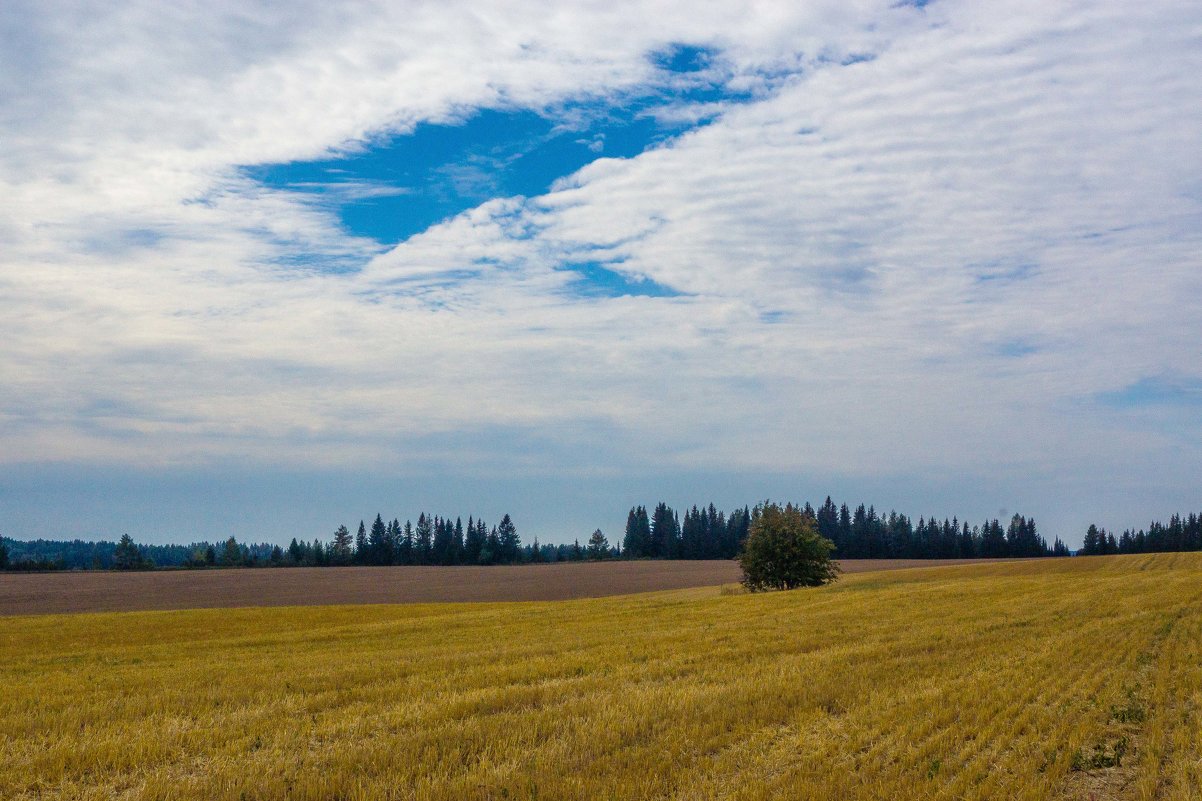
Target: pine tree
(598,546)
(340,550)
(231,554)
(125,557)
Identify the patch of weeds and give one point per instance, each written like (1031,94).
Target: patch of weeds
(933,769)
(1100,756)
(1130,711)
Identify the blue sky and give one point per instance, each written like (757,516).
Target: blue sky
(265,272)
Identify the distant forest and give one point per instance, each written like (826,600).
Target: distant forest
(1180,534)
(702,532)
(706,533)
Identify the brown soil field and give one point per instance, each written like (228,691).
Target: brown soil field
(87,591)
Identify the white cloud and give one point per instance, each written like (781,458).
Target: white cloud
(852,246)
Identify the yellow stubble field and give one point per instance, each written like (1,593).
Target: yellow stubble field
(1045,679)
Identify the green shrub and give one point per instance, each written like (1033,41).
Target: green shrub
(784,550)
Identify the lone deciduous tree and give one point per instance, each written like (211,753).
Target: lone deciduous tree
(784,550)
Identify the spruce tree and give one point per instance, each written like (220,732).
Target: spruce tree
(473,543)
(361,553)
(405,549)
(637,542)
(424,540)
(665,532)
(392,537)
(490,553)
(508,542)
(377,543)
(441,545)
(843,541)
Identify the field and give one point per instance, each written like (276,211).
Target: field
(1049,679)
(100,591)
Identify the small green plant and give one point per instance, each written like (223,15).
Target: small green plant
(1102,756)
(1132,710)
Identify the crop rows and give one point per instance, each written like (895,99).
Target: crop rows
(1035,680)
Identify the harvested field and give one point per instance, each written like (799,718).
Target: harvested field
(56,593)
(1041,680)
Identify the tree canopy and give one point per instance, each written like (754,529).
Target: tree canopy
(784,550)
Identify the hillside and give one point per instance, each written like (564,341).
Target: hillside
(1045,679)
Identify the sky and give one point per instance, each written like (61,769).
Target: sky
(266,268)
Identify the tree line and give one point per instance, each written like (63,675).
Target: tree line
(706,533)
(1179,534)
(77,554)
(433,540)
(702,532)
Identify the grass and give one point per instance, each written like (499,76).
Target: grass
(1035,680)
